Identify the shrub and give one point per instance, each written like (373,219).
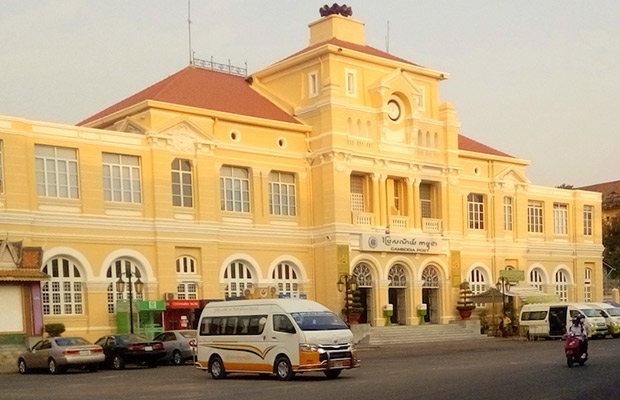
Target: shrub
(54,329)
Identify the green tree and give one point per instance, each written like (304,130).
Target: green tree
(565,186)
(611,241)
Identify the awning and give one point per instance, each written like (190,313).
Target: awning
(532,295)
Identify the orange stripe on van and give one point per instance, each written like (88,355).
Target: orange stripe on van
(247,367)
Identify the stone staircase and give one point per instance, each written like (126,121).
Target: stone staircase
(408,334)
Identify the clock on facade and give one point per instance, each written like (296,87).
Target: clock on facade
(393,110)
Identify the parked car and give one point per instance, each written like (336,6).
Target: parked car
(56,354)
(176,344)
(125,349)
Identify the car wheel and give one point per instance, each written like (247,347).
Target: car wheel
(22,367)
(283,369)
(177,358)
(118,363)
(332,373)
(217,368)
(53,368)
(616,335)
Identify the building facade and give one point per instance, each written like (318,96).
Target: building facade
(338,160)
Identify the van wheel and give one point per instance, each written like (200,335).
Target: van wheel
(616,335)
(283,369)
(217,368)
(332,373)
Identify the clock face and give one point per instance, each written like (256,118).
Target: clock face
(393,110)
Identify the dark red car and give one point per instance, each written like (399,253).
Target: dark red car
(125,349)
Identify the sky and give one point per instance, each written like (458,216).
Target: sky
(539,80)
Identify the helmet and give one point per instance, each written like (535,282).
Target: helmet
(577,319)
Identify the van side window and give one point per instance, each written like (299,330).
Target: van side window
(238,325)
(281,323)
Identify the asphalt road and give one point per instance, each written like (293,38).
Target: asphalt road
(490,369)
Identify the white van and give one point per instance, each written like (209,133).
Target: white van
(279,336)
(546,320)
(594,320)
(612,317)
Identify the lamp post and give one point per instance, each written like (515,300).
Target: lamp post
(120,288)
(349,285)
(503,285)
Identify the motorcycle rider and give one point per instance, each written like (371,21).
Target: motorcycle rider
(580,331)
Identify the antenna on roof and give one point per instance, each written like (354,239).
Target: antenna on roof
(387,38)
(189,29)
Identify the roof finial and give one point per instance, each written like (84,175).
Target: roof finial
(335,9)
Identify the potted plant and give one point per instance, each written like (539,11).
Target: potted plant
(355,307)
(54,330)
(465,306)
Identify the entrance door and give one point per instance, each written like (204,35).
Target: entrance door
(397,300)
(366,300)
(393,299)
(430,297)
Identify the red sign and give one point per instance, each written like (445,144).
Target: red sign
(182,303)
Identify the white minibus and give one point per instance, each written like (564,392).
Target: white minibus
(543,320)
(612,317)
(594,320)
(273,336)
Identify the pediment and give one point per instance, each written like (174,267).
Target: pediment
(400,84)
(130,126)
(510,178)
(183,135)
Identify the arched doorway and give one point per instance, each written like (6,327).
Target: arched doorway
(430,294)
(397,294)
(363,276)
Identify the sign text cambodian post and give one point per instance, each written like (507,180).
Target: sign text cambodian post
(403,244)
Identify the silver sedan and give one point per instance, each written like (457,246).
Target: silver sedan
(56,354)
(177,345)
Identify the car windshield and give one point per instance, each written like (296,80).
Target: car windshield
(614,312)
(71,341)
(318,321)
(590,312)
(127,339)
(188,334)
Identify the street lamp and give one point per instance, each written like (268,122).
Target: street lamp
(120,288)
(347,283)
(503,285)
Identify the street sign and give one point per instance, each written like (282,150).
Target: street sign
(512,275)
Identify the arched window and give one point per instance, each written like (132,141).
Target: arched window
(186,265)
(238,277)
(430,277)
(436,140)
(368,129)
(587,285)
(536,279)
(350,127)
(187,286)
(477,281)
(63,294)
(362,275)
(561,285)
(397,276)
(122,267)
(420,138)
(427,142)
(360,131)
(286,279)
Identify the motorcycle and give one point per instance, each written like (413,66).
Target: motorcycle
(572,349)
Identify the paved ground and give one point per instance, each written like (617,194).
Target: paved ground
(490,369)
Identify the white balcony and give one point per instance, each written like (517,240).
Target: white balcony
(399,222)
(431,225)
(363,218)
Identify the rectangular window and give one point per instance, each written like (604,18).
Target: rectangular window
(588,211)
(313,84)
(237,325)
(560,219)
(587,285)
(182,183)
(535,217)
(426,200)
(358,202)
(234,189)
(187,291)
(57,172)
(282,193)
(351,82)
(121,178)
(507,213)
(398,196)
(475,207)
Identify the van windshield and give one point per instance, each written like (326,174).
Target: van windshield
(318,321)
(614,312)
(589,312)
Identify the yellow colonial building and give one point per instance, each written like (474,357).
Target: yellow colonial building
(338,161)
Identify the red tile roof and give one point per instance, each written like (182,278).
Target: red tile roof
(202,88)
(355,47)
(22,275)
(468,144)
(606,188)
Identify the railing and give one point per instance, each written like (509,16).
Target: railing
(227,68)
(431,225)
(399,222)
(362,218)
